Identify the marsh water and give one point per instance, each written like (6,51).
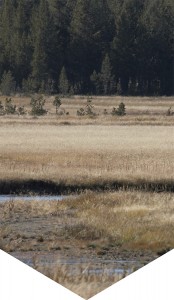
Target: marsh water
(4,198)
(86,266)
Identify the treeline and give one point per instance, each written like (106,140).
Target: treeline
(87,46)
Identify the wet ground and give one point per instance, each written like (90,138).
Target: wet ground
(41,241)
(4,198)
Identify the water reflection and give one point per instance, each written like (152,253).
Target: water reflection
(86,266)
(4,198)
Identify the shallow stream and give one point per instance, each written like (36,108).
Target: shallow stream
(86,266)
(4,198)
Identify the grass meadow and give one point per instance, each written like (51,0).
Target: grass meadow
(87,154)
(139,111)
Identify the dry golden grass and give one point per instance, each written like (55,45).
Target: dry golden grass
(87,154)
(134,220)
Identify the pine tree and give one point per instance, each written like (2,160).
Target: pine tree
(6,33)
(57,103)
(91,29)
(125,43)
(96,81)
(38,38)
(42,43)
(21,47)
(61,12)
(63,82)
(8,83)
(106,75)
(158,19)
(79,57)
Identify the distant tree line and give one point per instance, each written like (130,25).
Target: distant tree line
(98,47)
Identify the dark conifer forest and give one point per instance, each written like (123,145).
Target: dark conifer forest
(100,47)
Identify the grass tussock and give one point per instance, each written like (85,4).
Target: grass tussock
(83,282)
(131,219)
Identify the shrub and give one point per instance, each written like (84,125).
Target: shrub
(9,107)
(2,111)
(120,111)
(114,111)
(21,110)
(81,112)
(90,107)
(37,106)
(169,112)
(57,103)
(88,110)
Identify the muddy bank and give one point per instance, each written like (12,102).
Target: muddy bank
(63,238)
(42,187)
(32,229)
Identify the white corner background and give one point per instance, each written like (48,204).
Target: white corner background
(155,281)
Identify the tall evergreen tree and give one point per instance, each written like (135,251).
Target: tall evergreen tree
(159,22)
(124,47)
(42,39)
(38,38)
(61,14)
(90,36)
(8,83)
(21,46)
(7,17)
(106,76)
(63,82)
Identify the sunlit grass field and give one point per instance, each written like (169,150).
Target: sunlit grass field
(87,154)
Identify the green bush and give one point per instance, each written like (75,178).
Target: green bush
(10,109)
(37,106)
(2,111)
(21,110)
(81,112)
(169,112)
(120,111)
(57,103)
(88,110)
